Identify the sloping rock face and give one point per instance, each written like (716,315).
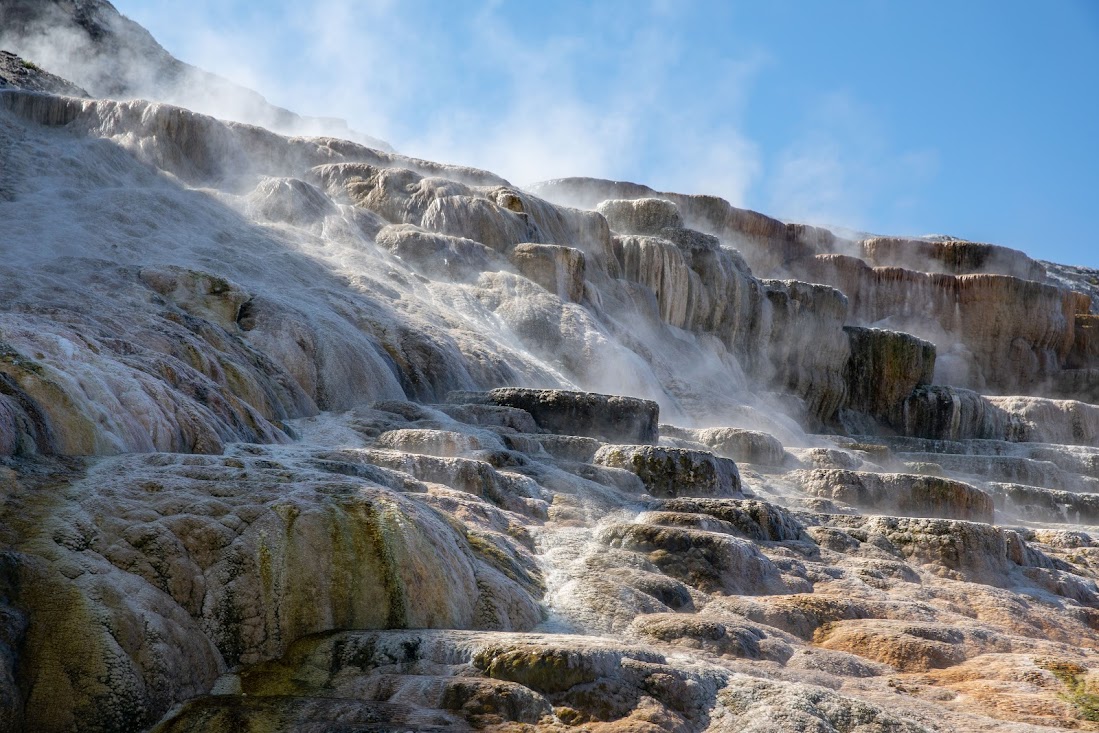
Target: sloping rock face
(786,334)
(90,43)
(300,434)
(20,73)
(937,289)
(688,270)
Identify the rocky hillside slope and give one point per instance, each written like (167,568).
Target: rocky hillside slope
(299,434)
(90,43)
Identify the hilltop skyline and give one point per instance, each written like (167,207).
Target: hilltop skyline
(871,117)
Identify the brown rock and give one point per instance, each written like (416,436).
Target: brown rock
(672,472)
(899,493)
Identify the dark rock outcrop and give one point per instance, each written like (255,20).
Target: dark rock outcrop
(884,368)
(671,472)
(807,346)
(607,417)
(20,73)
(946,413)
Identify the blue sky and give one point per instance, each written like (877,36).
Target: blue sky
(977,118)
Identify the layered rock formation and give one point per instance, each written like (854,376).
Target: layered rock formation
(950,256)
(301,434)
(1009,332)
(981,305)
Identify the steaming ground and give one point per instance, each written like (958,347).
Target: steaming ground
(97,48)
(252,475)
(100,203)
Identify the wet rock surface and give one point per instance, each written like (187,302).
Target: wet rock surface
(749,446)
(884,369)
(560,270)
(947,413)
(955,312)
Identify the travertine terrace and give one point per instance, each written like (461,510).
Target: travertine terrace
(301,434)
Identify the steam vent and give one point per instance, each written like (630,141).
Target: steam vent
(301,434)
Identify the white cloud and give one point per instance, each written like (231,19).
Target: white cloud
(388,71)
